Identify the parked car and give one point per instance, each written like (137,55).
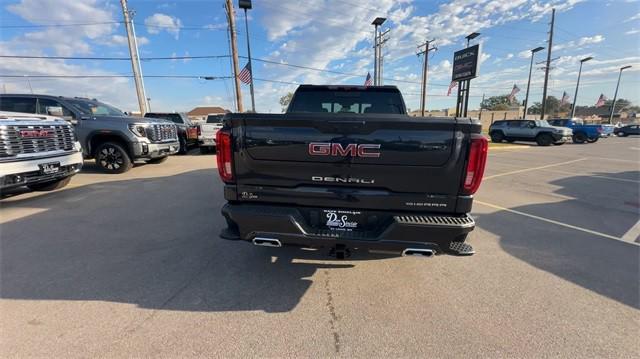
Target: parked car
(608,130)
(346,167)
(539,131)
(40,152)
(581,133)
(207,133)
(628,130)
(107,134)
(187,130)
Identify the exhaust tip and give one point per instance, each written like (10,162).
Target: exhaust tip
(266,242)
(418,252)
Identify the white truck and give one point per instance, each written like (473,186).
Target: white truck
(207,133)
(37,151)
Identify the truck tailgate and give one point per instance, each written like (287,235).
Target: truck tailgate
(410,163)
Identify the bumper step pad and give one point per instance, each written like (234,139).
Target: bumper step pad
(461,249)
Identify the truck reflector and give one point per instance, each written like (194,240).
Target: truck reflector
(475,164)
(224,156)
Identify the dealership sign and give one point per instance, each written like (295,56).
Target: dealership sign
(465,63)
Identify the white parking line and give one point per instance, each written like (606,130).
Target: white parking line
(592,175)
(557,222)
(533,169)
(614,159)
(633,233)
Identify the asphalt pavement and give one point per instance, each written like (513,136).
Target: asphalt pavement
(131,265)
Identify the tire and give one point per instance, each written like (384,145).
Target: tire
(544,139)
(111,157)
(558,144)
(183,146)
(204,150)
(155,161)
(510,140)
(497,137)
(50,185)
(592,139)
(580,138)
(621,134)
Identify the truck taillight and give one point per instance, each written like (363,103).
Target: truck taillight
(476,163)
(199,131)
(224,156)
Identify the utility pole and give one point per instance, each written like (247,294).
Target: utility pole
(246,5)
(425,69)
(548,67)
(481,102)
(135,58)
(234,53)
(381,40)
(376,53)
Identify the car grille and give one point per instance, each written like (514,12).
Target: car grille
(162,133)
(60,138)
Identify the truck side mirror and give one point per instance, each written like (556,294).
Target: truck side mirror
(54,111)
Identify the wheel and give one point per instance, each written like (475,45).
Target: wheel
(592,139)
(183,146)
(621,134)
(155,161)
(50,185)
(497,137)
(112,158)
(204,150)
(544,139)
(558,143)
(510,140)
(580,138)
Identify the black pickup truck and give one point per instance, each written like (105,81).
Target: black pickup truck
(346,168)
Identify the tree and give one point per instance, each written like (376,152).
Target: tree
(497,103)
(620,105)
(284,100)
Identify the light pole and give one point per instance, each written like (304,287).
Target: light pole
(526,98)
(615,96)
(246,5)
(575,96)
(471,36)
(376,22)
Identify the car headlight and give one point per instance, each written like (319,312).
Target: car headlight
(138,130)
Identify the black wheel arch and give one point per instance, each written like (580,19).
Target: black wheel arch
(96,138)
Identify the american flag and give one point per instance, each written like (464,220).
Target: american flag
(565,98)
(452,85)
(601,100)
(367,81)
(245,74)
(513,93)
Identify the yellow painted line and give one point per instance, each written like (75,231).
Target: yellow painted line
(592,175)
(533,169)
(554,222)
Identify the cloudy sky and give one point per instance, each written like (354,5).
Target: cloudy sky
(330,35)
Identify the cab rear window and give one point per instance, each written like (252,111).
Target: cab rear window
(347,101)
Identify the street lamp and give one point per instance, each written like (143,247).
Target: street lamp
(575,97)
(472,36)
(526,98)
(615,96)
(246,5)
(376,22)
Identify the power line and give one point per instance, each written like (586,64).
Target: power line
(202,77)
(113,58)
(60,25)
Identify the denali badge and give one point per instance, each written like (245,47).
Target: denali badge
(342,180)
(336,149)
(35,133)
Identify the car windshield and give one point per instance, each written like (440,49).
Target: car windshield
(542,123)
(214,119)
(174,117)
(95,108)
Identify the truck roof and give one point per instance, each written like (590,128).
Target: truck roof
(348,87)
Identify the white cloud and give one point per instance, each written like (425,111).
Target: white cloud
(509,56)
(158,22)
(634,17)
(583,41)
(632,32)
(121,40)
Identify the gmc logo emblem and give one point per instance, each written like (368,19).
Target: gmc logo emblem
(336,149)
(35,133)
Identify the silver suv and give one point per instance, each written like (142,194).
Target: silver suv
(539,131)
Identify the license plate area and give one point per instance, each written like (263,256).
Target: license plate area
(49,168)
(345,220)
